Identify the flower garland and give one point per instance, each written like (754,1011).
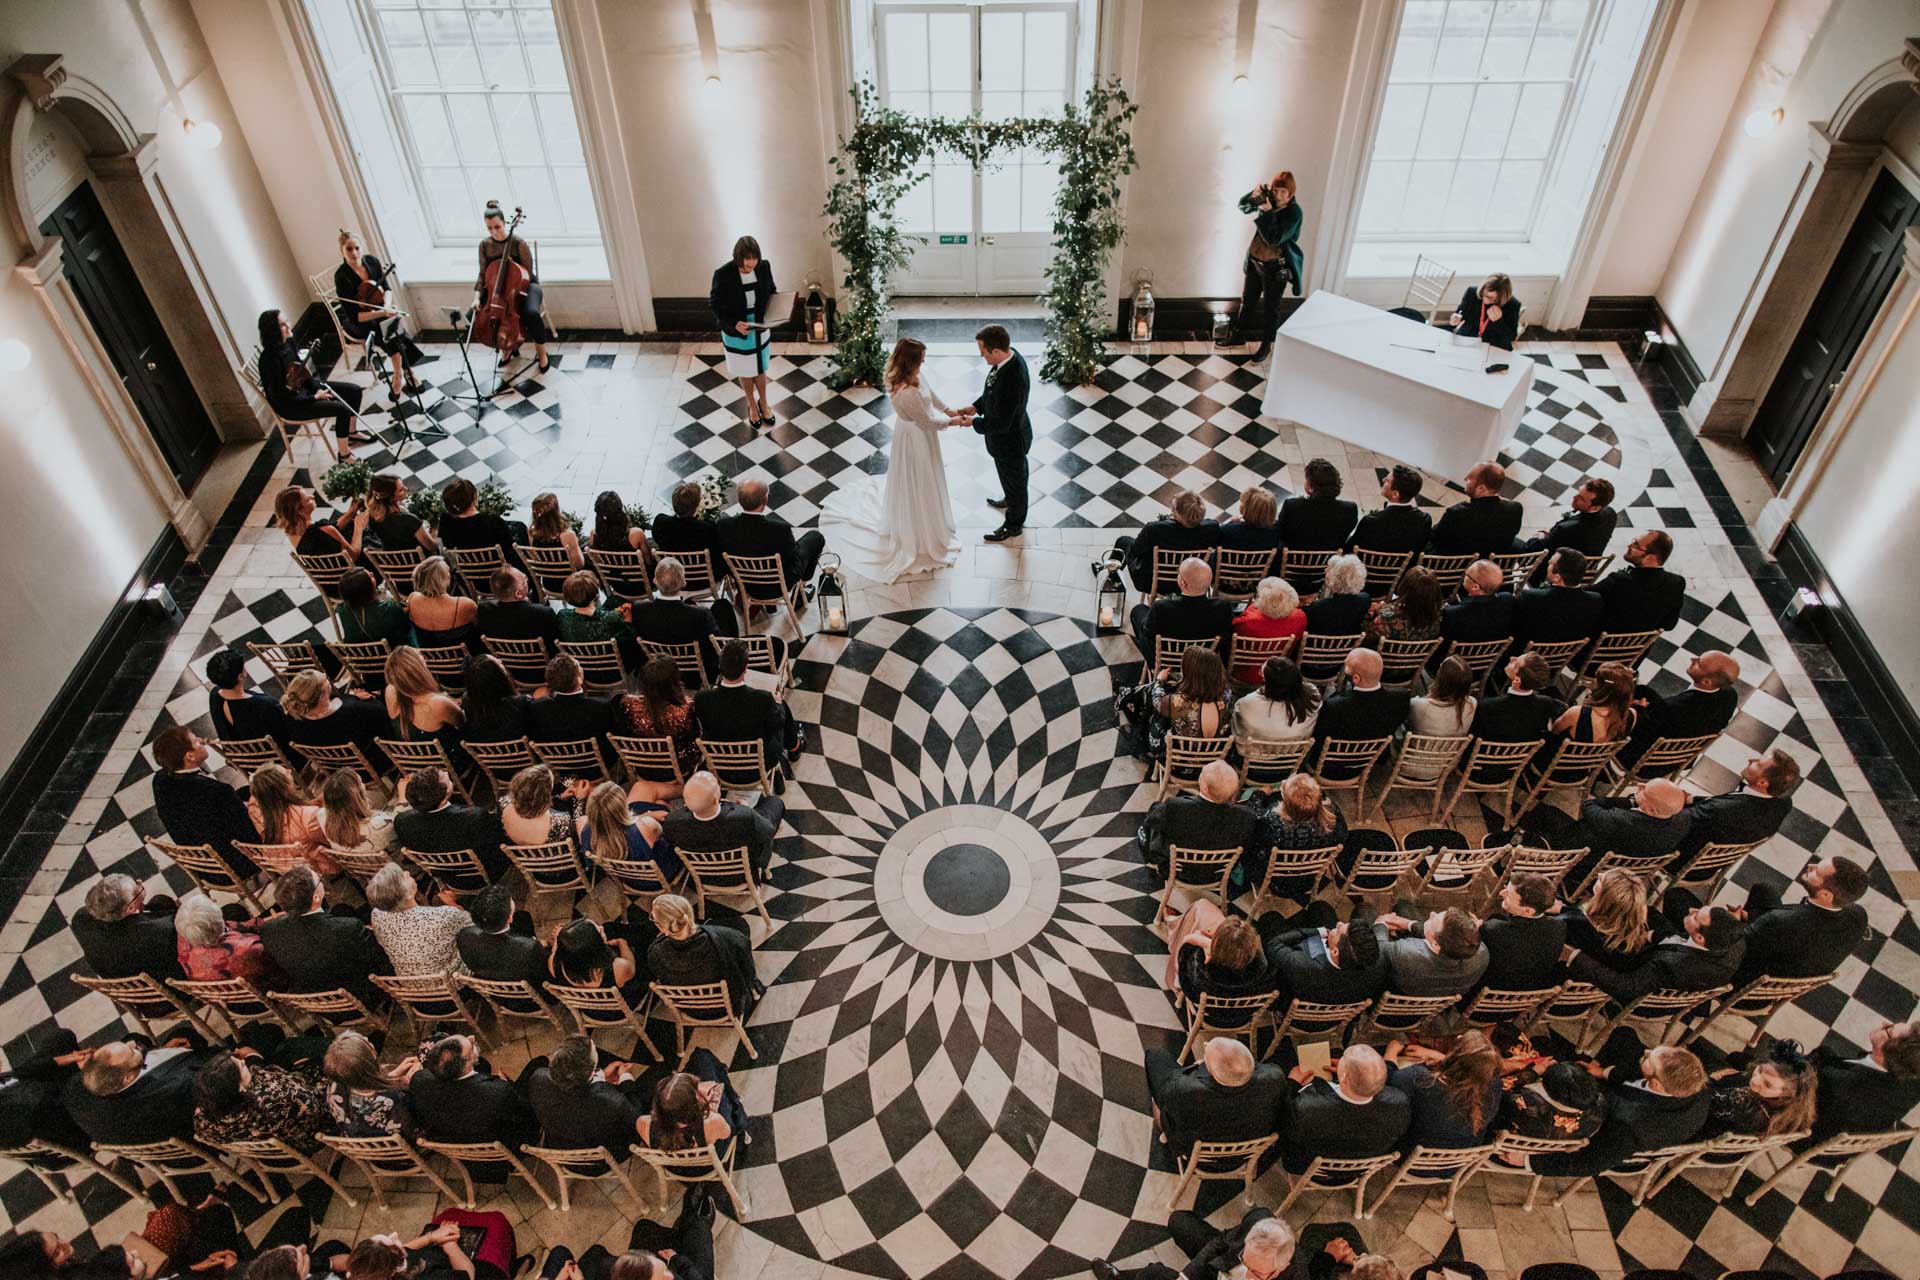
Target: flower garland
(880,163)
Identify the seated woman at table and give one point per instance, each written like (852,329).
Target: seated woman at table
(1490,312)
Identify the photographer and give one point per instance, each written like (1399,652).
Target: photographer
(1273,258)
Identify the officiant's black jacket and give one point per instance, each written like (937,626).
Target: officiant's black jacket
(728,297)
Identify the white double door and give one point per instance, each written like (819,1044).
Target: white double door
(989,232)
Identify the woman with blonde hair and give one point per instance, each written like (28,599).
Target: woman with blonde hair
(392,525)
(527,811)
(1257,526)
(1611,926)
(365,1099)
(377,325)
(548,527)
(1275,614)
(901,522)
(690,951)
(624,826)
(420,706)
(294,506)
(316,718)
(441,619)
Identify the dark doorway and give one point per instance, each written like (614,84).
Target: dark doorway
(131,332)
(1847,302)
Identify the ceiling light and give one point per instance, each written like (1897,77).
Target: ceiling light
(1762,123)
(204,134)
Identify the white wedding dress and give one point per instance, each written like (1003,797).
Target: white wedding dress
(885,527)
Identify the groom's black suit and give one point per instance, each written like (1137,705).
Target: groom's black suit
(1001,416)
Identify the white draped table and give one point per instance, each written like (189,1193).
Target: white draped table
(1393,385)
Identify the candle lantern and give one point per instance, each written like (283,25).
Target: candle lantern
(816,310)
(831,592)
(1141,325)
(1111,592)
(1222,329)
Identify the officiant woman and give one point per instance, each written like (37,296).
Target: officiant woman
(741,291)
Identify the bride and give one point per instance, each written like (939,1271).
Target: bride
(900,523)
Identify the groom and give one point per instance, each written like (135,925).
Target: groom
(1000,414)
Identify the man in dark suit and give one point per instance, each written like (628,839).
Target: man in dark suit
(511,616)
(1224,1097)
(706,822)
(1561,610)
(1523,942)
(1873,1092)
(123,935)
(238,714)
(1206,819)
(999,413)
(1325,962)
(567,714)
(1587,528)
(1667,1106)
(194,806)
(434,824)
(33,1100)
(732,711)
(1810,937)
(1482,525)
(1751,812)
(1704,706)
(1260,1245)
(493,948)
(1702,953)
(128,1094)
(1650,823)
(455,1101)
(755,531)
(1524,711)
(682,534)
(1399,525)
(1321,520)
(1364,708)
(1643,596)
(1483,612)
(1193,614)
(1185,529)
(319,951)
(1356,1115)
(668,619)
(579,1106)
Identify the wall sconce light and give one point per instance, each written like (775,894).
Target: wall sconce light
(713,86)
(15,355)
(1762,123)
(204,134)
(1240,88)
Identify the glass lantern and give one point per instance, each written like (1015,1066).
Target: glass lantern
(831,592)
(1222,328)
(1141,324)
(816,309)
(1111,602)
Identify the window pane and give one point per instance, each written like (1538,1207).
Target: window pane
(560,129)
(1400,117)
(1461,40)
(1554,42)
(1492,114)
(406,41)
(1000,200)
(906,48)
(1050,102)
(1428,183)
(426,119)
(576,200)
(499,38)
(449,203)
(1507,40)
(1386,191)
(950,52)
(916,207)
(1046,50)
(542,46)
(951,104)
(999,50)
(952,197)
(1000,104)
(533,191)
(453,48)
(473,126)
(1446,122)
(1419,35)
(1539,114)
(1472,187)
(489,182)
(1040,184)
(1513,194)
(914,104)
(519,132)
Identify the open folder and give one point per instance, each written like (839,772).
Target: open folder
(779,311)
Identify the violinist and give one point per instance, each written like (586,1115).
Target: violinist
(298,396)
(376,324)
(497,245)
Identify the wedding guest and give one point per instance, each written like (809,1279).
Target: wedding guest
(688,952)
(1274,615)
(283,814)
(1320,519)
(694,1108)
(1644,596)
(582,955)
(1196,706)
(1483,611)
(464,527)
(1257,526)
(1204,819)
(1185,528)
(293,508)
(367,615)
(1302,817)
(492,946)
(706,822)
(667,618)
(1353,1116)
(662,709)
(240,1097)
(625,826)
(441,620)
(349,821)
(734,711)
(1562,609)
(1192,614)
(239,714)
(613,531)
(393,526)
(1874,1091)
(1611,925)
(547,527)
(1809,937)
(1587,527)
(1342,606)
(124,935)
(494,710)
(1440,956)
(1224,1096)
(1559,1100)
(1776,1095)
(1398,525)
(213,949)
(420,707)
(1445,710)
(1455,1094)
(318,950)
(1364,709)
(1525,940)
(682,534)
(1705,707)
(1485,523)
(418,939)
(529,813)
(583,621)
(1213,954)
(194,806)
(755,531)
(511,616)
(1283,709)
(363,1098)
(1412,613)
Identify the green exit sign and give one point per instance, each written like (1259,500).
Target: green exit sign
(952,239)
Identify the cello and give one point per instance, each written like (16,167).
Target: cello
(496,322)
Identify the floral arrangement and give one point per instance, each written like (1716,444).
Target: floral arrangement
(713,494)
(345,481)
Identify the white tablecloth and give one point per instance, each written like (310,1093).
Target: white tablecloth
(1394,385)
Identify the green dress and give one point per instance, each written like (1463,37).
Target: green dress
(386,620)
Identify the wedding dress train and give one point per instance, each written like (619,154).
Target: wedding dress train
(885,527)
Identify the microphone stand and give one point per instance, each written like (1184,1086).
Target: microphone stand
(463,329)
(408,433)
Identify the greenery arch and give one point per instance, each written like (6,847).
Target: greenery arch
(878,165)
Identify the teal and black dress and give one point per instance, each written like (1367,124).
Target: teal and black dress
(737,296)
(1274,261)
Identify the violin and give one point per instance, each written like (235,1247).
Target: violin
(496,323)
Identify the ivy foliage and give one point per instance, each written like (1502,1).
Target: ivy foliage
(881,162)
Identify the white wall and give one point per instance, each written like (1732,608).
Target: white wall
(61,465)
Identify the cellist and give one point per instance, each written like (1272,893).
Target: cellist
(376,325)
(497,245)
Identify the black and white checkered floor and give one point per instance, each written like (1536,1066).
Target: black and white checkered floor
(962,980)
